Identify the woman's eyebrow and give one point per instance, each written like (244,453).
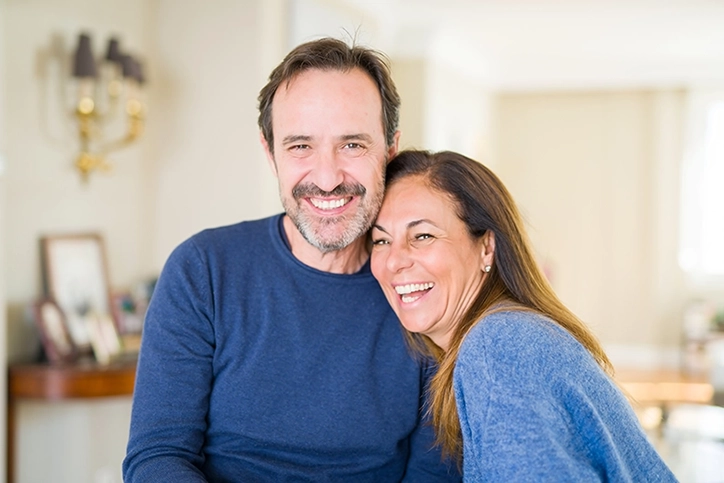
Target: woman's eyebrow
(379,227)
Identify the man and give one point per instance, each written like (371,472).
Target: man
(269,352)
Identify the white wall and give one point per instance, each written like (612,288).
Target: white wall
(3,320)
(595,175)
(209,166)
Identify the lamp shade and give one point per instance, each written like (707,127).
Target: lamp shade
(140,76)
(129,66)
(113,54)
(84,64)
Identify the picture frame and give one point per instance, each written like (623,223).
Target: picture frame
(53,331)
(75,276)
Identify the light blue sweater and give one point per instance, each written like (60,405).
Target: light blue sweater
(535,406)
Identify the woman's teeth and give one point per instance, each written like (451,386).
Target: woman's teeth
(411,291)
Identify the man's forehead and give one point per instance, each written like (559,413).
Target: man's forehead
(315,76)
(329,103)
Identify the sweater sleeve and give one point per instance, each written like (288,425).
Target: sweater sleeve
(174,375)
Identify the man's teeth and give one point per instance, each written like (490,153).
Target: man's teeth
(329,204)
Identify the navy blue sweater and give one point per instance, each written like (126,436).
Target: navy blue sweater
(256,367)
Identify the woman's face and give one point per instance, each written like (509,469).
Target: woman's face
(428,266)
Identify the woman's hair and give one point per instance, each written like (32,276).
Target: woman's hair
(332,54)
(515,281)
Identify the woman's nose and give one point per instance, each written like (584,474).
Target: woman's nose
(398,257)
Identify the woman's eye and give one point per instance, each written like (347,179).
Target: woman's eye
(423,236)
(379,241)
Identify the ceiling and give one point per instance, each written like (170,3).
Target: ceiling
(519,44)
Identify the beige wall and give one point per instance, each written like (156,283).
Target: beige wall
(411,80)
(209,168)
(3,311)
(596,177)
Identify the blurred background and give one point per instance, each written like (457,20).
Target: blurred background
(603,117)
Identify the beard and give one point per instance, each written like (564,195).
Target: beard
(329,234)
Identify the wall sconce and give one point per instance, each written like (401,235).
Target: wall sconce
(102,88)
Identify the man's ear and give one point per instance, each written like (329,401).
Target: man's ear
(269,154)
(488,250)
(394,147)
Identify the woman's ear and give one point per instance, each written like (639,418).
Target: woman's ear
(488,251)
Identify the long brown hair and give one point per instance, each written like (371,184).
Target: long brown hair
(514,282)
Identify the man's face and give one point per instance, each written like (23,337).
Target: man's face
(330,154)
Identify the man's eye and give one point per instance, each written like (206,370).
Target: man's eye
(353,146)
(299,147)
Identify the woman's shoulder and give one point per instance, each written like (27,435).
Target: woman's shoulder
(515,328)
(519,343)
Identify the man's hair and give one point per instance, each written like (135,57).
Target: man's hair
(332,54)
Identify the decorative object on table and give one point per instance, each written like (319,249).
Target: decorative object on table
(107,90)
(104,337)
(129,311)
(697,329)
(53,331)
(76,278)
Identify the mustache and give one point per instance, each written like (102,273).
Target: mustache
(312,190)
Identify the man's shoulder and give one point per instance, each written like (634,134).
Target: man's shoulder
(239,238)
(223,233)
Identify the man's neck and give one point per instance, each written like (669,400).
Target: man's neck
(346,261)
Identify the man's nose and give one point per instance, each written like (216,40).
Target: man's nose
(328,172)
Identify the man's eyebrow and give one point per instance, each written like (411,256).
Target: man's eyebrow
(295,138)
(356,137)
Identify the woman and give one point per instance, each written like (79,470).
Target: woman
(523,391)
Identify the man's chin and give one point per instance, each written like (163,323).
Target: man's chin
(327,243)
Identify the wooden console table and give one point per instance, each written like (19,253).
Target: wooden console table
(666,386)
(80,380)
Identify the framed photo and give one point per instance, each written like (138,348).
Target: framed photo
(53,330)
(76,278)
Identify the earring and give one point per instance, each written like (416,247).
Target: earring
(487,268)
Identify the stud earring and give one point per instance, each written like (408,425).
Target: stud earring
(487,268)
